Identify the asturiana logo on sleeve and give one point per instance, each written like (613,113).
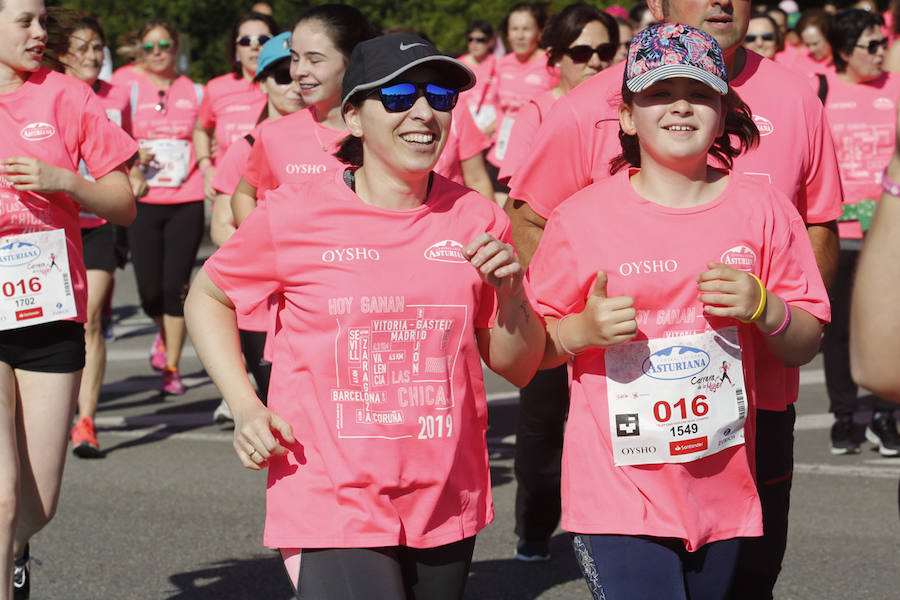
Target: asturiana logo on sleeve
(675,362)
(764,125)
(739,257)
(446,251)
(34,132)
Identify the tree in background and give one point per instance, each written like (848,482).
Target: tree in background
(205,25)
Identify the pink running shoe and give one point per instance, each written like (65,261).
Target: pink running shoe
(158,353)
(171,382)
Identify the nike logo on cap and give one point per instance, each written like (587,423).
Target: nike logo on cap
(408,46)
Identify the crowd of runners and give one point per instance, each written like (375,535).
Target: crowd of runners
(646,219)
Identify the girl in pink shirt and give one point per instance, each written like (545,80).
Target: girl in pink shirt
(232,102)
(77,44)
(657,478)
(49,122)
(480,43)
(302,145)
(166,234)
(374,434)
(522,74)
(581,41)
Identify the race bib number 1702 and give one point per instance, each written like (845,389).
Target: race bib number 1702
(35,282)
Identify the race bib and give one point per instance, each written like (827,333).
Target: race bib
(506,128)
(171,162)
(486,115)
(675,400)
(35,282)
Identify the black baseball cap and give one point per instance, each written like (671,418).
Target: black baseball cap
(377,61)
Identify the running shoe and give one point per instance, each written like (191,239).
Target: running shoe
(171,382)
(84,439)
(106,325)
(528,551)
(21,576)
(842,441)
(222,414)
(882,432)
(158,353)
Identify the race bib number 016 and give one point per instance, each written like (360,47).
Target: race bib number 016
(676,400)
(35,282)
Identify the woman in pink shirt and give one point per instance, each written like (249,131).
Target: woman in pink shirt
(232,102)
(76,44)
(580,41)
(166,234)
(395,284)
(303,145)
(522,74)
(48,123)
(763,36)
(813,29)
(480,44)
(861,105)
(658,482)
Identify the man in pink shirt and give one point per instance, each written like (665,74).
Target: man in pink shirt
(796,154)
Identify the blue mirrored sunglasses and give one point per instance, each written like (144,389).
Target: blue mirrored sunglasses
(401,96)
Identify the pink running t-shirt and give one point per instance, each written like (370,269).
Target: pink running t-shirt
(464,141)
(118,109)
(124,76)
(295,148)
(863,119)
(59,120)
(796,154)
(232,106)
(528,120)
(516,83)
(176,122)
(654,254)
(478,98)
(376,365)
(231,166)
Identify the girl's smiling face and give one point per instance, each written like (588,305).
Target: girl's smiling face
(676,120)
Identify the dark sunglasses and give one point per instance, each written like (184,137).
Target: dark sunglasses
(766,37)
(873,46)
(161,105)
(249,40)
(480,40)
(281,76)
(582,54)
(402,96)
(163,45)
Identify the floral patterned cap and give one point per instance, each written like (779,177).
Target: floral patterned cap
(674,50)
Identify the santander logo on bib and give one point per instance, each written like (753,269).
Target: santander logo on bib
(739,257)
(764,125)
(34,132)
(446,251)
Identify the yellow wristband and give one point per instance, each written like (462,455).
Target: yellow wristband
(762,301)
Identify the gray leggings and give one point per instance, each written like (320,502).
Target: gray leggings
(393,573)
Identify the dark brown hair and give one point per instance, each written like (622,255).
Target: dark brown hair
(231,51)
(62,23)
(738,122)
(538,11)
(565,27)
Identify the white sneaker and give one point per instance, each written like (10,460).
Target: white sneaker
(222,414)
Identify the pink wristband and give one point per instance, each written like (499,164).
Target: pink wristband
(889,186)
(787,319)
(559,337)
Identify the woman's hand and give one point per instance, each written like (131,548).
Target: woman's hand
(728,292)
(496,263)
(33,175)
(254,440)
(138,183)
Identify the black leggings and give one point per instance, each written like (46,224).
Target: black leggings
(164,240)
(252,345)
(395,573)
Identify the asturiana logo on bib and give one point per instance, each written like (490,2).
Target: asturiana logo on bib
(764,125)
(446,251)
(34,132)
(675,362)
(15,254)
(739,257)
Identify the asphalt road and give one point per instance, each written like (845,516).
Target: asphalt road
(169,513)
